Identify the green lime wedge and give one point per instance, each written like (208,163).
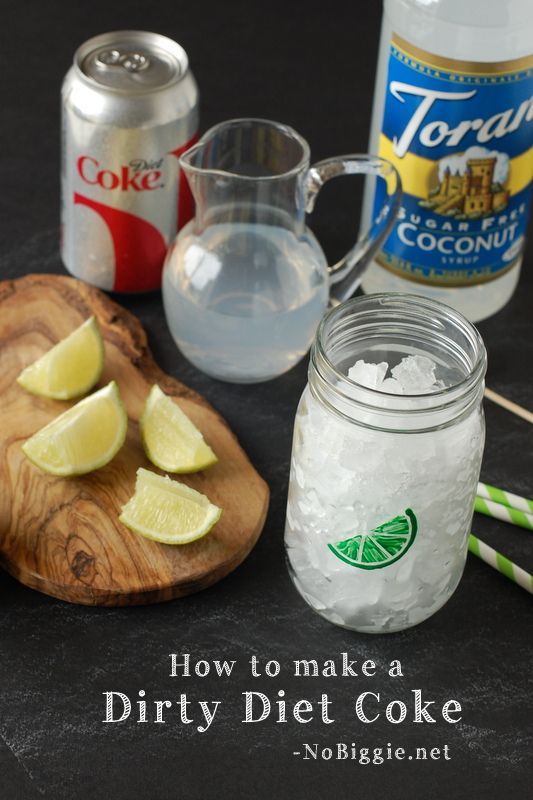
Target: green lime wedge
(71,368)
(380,547)
(82,439)
(168,511)
(171,441)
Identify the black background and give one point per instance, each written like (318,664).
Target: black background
(312,66)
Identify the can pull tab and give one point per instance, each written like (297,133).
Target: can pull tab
(132,62)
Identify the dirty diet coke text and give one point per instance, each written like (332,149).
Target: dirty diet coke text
(254,707)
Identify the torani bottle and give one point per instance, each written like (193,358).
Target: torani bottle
(453,111)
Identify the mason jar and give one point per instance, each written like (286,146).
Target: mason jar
(382,484)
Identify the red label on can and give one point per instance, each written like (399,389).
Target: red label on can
(130,212)
(138,246)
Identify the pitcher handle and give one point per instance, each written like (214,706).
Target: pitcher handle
(346,274)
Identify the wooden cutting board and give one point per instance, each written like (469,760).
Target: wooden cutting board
(62,536)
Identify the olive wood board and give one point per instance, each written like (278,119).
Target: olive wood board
(62,536)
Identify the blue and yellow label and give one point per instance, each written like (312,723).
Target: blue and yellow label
(461,136)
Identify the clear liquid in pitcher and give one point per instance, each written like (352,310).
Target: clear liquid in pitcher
(243,300)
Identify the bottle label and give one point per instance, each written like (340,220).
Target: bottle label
(460,134)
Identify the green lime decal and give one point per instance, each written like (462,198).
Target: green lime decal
(382,546)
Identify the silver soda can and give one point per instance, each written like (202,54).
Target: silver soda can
(130,109)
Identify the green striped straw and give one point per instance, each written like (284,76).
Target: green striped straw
(505,498)
(500,563)
(504,505)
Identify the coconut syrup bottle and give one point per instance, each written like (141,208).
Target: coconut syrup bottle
(453,111)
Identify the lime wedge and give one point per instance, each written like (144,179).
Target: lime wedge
(71,368)
(82,439)
(168,511)
(382,546)
(170,439)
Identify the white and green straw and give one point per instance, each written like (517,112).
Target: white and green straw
(500,563)
(509,507)
(504,505)
(504,497)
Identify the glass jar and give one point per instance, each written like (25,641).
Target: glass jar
(382,485)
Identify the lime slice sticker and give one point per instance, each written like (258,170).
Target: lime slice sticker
(382,546)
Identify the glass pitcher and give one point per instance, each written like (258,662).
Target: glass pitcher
(246,283)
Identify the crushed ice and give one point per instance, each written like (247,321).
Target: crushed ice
(413,375)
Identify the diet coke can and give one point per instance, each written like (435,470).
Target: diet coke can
(130,109)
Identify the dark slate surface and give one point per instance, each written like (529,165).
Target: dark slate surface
(313,68)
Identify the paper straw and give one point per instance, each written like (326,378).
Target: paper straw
(505,498)
(500,563)
(505,513)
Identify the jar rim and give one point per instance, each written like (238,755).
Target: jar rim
(435,313)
